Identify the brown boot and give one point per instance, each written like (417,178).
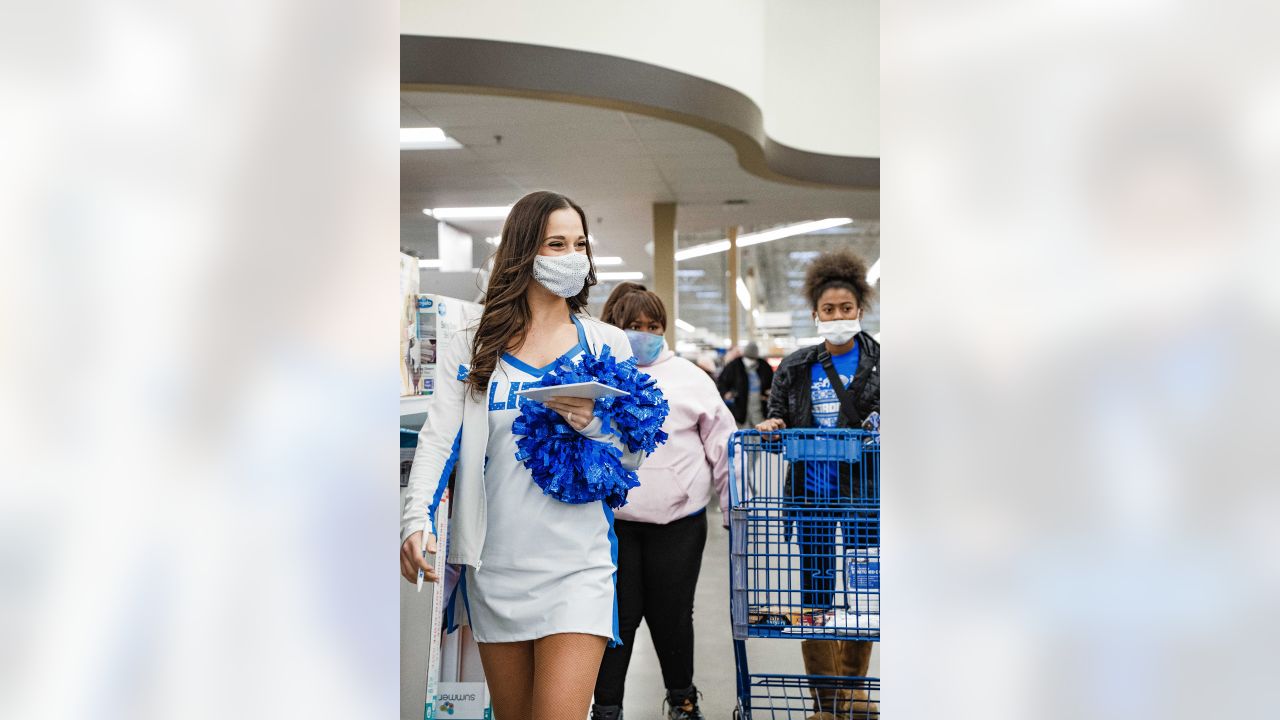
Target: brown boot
(822,658)
(855,660)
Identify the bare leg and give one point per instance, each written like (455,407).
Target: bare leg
(565,667)
(509,669)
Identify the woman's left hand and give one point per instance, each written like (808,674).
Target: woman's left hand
(578,412)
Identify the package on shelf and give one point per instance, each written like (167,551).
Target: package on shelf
(410,360)
(427,321)
(462,701)
(438,318)
(426,317)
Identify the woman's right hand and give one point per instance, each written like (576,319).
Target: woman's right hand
(771,424)
(411,559)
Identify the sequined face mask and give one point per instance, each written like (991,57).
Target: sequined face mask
(563,275)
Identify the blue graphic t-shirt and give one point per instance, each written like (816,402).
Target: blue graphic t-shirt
(826,404)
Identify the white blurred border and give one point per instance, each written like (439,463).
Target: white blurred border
(1080,497)
(198,315)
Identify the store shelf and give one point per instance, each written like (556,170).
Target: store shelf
(413,410)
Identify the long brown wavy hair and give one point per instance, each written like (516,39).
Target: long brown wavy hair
(505,319)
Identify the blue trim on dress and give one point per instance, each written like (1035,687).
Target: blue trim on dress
(567,354)
(466,602)
(450,619)
(613,552)
(442,483)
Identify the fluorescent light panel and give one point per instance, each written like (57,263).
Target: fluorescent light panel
(762,237)
(718,246)
(744,295)
(685,326)
(620,276)
(429,138)
(468,213)
(873,275)
(607,260)
(791,230)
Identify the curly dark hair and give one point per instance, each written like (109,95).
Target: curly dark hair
(838,269)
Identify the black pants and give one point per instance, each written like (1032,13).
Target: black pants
(658,568)
(817,510)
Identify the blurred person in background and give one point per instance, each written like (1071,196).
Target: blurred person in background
(804,396)
(662,529)
(544,605)
(706,361)
(744,383)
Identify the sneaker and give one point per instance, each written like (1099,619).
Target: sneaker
(606,712)
(683,704)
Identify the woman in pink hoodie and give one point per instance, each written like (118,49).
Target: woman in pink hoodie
(663,527)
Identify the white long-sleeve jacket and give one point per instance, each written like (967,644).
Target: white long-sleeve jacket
(456,433)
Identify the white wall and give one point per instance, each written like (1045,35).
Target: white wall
(461,285)
(811,65)
(822,75)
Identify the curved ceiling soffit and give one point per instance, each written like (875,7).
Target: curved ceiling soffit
(490,67)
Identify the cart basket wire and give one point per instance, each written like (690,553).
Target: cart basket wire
(804,539)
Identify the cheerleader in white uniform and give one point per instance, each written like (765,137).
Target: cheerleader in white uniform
(540,574)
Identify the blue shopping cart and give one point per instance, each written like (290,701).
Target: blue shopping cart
(804,559)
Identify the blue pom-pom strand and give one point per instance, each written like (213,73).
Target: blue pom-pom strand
(575,469)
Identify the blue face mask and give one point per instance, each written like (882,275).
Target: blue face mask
(646,346)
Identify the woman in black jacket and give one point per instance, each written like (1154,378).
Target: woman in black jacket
(803,396)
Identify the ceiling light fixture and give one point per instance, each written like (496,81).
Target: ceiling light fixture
(744,296)
(685,326)
(607,260)
(620,276)
(468,213)
(718,246)
(791,230)
(429,138)
(873,275)
(763,236)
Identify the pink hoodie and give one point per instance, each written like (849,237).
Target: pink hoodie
(676,479)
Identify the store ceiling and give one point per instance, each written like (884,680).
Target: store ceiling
(615,164)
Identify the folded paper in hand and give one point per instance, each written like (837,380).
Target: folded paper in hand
(589,390)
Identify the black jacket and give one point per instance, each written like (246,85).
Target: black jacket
(734,379)
(791,399)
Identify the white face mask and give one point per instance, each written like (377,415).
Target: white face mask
(563,275)
(838,332)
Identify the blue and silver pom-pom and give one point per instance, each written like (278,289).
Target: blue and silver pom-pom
(575,469)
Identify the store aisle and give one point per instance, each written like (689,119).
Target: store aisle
(714,668)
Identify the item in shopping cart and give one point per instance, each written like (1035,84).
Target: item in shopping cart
(809,621)
(843,620)
(769,619)
(787,617)
(862,570)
